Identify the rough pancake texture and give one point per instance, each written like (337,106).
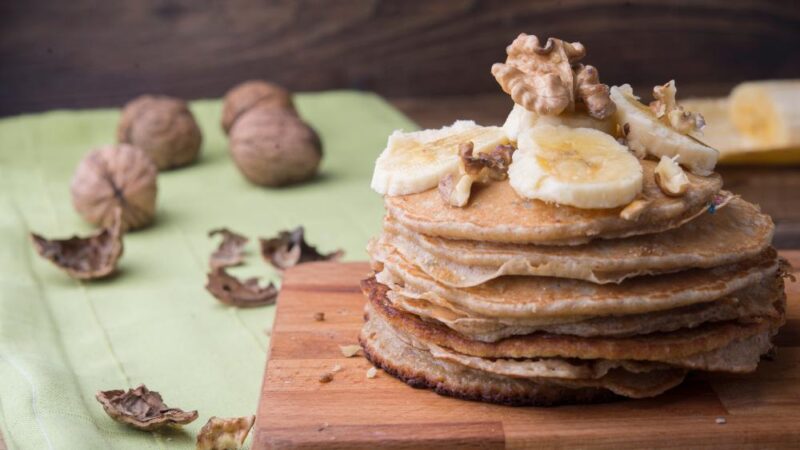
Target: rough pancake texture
(672,348)
(743,305)
(546,296)
(734,233)
(495,213)
(420,369)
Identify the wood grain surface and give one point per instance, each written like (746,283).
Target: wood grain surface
(354,412)
(85,53)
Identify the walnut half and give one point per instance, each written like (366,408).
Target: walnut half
(548,80)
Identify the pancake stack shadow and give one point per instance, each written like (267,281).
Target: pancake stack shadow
(521,302)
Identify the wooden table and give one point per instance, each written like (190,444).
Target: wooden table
(776,189)
(355,412)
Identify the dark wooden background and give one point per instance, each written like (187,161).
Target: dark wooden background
(86,53)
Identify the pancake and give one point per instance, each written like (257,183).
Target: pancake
(420,369)
(743,305)
(525,297)
(734,233)
(673,348)
(496,213)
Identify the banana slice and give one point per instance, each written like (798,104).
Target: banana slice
(415,162)
(520,119)
(646,134)
(766,112)
(581,167)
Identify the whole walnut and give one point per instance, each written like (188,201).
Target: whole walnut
(274,147)
(163,127)
(114,176)
(250,94)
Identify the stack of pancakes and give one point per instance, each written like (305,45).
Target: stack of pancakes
(518,301)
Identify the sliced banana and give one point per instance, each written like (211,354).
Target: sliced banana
(645,134)
(581,167)
(520,119)
(416,161)
(670,178)
(766,112)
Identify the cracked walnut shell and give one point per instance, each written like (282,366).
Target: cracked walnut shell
(274,147)
(163,127)
(84,258)
(116,177)
(249,95)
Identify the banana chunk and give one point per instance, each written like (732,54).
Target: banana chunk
(520,119)
(766,112)
(416,161)
(647,135)
(580,167)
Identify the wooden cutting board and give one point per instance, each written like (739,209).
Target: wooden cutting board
(762,410)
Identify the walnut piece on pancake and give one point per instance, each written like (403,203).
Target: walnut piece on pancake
(666,109)
(670,178)
(230,251)
(548,80)
(143,409)
(88,258)
(635,209)
(242,294)
(224,433)
(483,167)
(290,248)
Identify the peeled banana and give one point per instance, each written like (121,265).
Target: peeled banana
(581,167)
(645,134)
(416,161)
(520,119)
(767,112)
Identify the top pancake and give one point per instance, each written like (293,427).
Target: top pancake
(496,213)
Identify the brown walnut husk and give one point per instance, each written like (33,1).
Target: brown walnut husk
(163,127)
(274,147)
(143,409)
(224,434)
(251,94)
(242,294)
(290,248)
(230,251)
(86,258)
(116,177)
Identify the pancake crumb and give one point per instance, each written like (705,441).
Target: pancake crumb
(721,421)
(372,372)
(336,368)
(319,317)
(350,350)
(326,377)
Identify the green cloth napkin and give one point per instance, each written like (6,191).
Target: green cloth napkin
(62,340)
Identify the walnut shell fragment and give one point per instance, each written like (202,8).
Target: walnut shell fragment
(274,147)
(290,248)
(163,127)
(548,80)
(251,94)
(242,294)
(224,434)
(143,409)
(116,177)
(230,251)
(86,258)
